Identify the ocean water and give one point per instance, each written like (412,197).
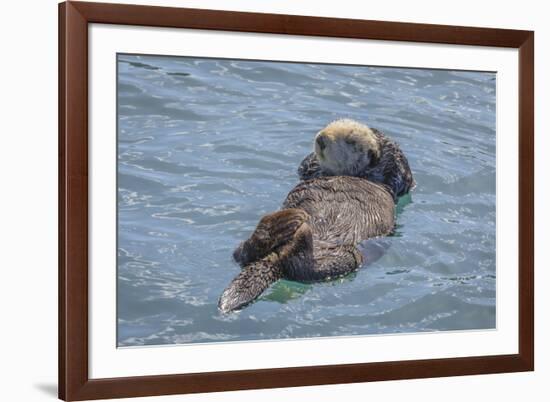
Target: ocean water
(207,146)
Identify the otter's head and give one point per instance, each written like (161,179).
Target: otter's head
(346,147)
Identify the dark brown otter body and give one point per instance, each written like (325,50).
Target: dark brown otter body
(350,183)
(313,237)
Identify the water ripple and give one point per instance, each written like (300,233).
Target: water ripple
(206,147)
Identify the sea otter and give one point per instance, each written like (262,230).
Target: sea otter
(347,193)
(346,147)
(312,238)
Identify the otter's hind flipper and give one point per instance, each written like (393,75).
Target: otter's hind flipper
(249,284)
(281,239)
(273,231)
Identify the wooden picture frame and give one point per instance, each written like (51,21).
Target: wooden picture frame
(74,381)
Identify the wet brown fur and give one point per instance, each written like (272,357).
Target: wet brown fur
(313,238)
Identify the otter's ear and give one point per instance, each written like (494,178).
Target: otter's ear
(374,158)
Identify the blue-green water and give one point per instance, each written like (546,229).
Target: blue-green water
(206,147)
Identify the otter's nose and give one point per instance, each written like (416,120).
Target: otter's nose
(322,142)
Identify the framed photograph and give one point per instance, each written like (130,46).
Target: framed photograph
(260,200)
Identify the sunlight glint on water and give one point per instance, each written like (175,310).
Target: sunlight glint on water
(206,147)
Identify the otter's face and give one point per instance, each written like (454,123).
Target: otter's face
(346,147)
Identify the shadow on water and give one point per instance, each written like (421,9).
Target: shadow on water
(283,291)
(374,249)
(403,202)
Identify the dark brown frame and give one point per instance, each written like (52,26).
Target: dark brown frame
(74,383)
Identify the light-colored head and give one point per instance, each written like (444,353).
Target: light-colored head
(346,147)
